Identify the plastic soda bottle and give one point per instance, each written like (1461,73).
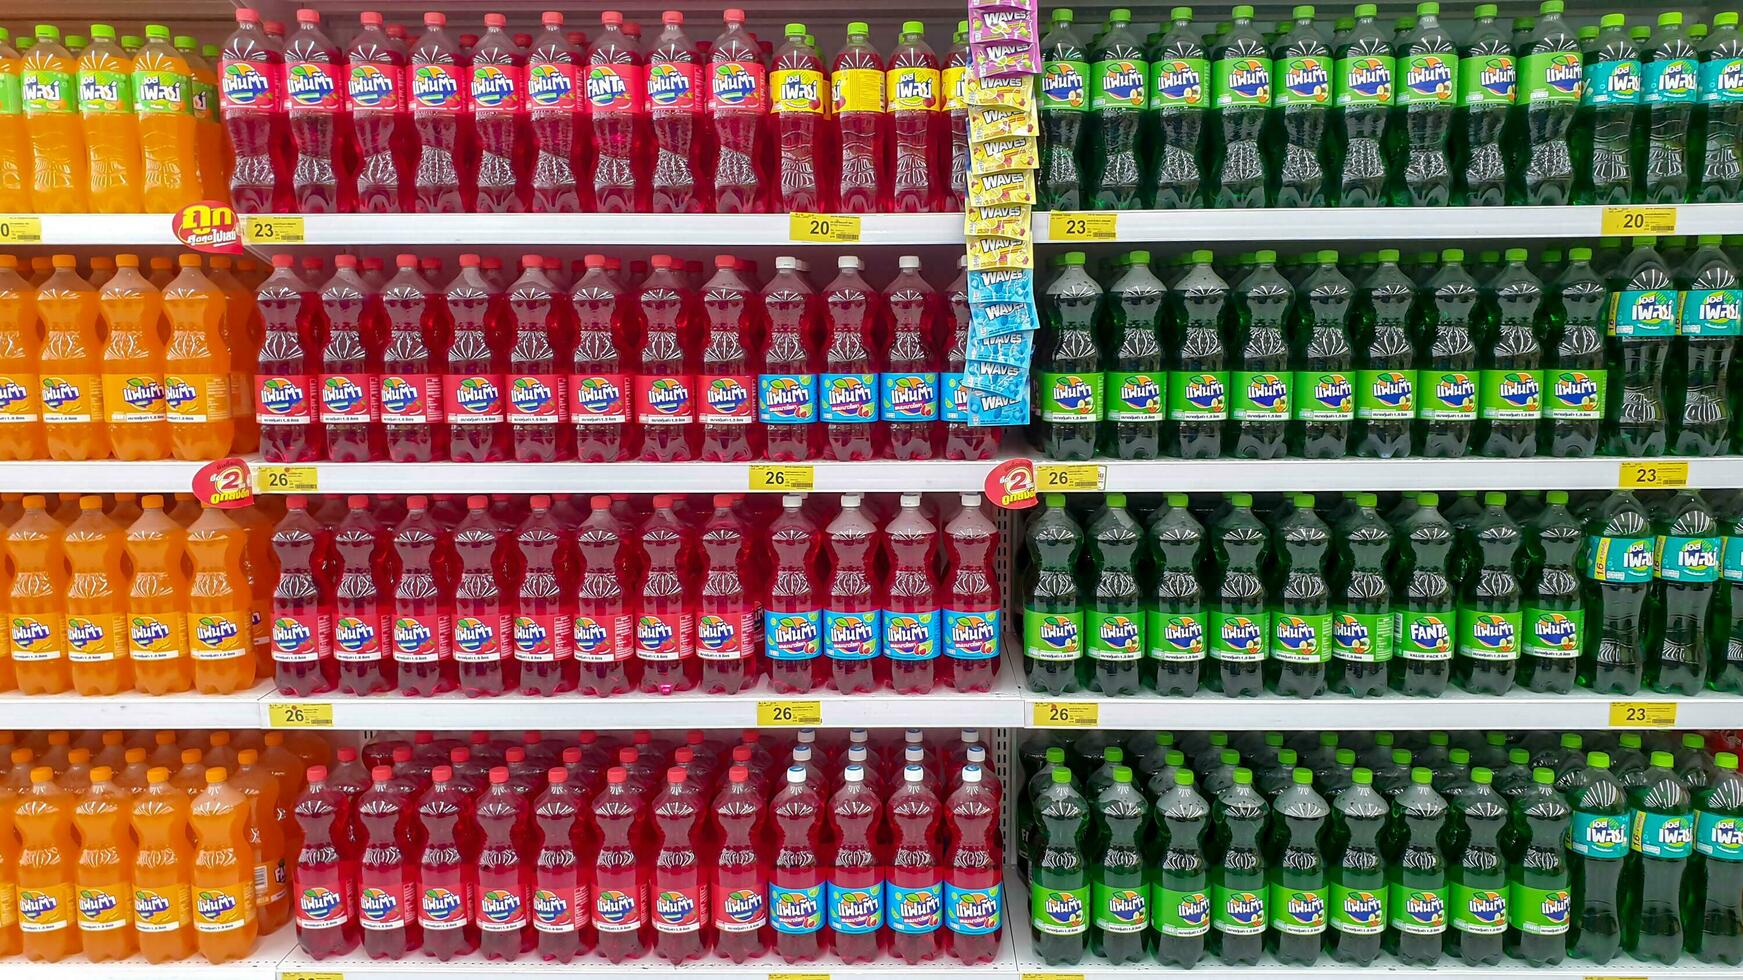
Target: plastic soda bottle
(105,865)
(971,627)
(71,366)
(554,95)
(439,88)
(497,94)
(1260,388)
(1054,612)
(361,609)
(1301,624)
(727,403)
(1685,576)
(1070,362)
(793,610)
(1477,871)
(97,635)
(856,880)
(111,133)
(20,383)
(1575,385)
(1060,889)
(351,372)
(163,100)
(16,162)
(157,622)
(197,365)
(614,89)
(1356,871)
(859,103)
(386,887)
(1426,98)
(1180,94)
(1490,617)
(446,874)
(1367,85)
(422,602)
(1643,317)
(314,94)
(1198,373)
(603,621)
(908,401)
(1447,381)
(1363,639)
(954,81)
(1304,100)
(1175,627)
(162,916)
(325,900)
(1298,885)
(666,401)
(1660,841)
(1487,87)
(537,399)
(600,393)
(678,882)
(674,105)
(852,615)
(287,367)
(543,628)
(219,629)
(1064,112)
(738,886)
(726,615)
(796,880)
(787,394)
(1179,884)
(914,87)
(1120,899)
(1701,419)
(1599,840)
(1714,935)
(665,634)
(738,102)
(504,875)
(1511,395)
(133,389)
(1113,626)
(411,407)
(1238,893)
(377,101)
(1242,81)
(911,617)
(1670,95)
(1614,85)
(1538,867)
(46,868)
(34,606)
(1715,169)
(483,626)
(49,80)
(562,896)
(225,918)
(1239,630)
(1617,575)
(1324,390)
(1135,388)
(251,87)
(800,106)
(1550,82)
(848,384)
(1416,877)
(473,388)
(1554,616)
(973,891)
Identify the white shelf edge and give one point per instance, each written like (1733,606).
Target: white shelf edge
(262,964)
(653,230)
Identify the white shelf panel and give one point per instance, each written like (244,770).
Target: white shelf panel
(103,229)
(1352,473)
(262,964)
(656,230)
(185,710)
(637,477)
(97,476)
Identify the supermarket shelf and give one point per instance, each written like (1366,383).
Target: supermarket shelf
(241,710)
(1287,475)
(657,230)
(97,476)
(92,229)
(263,964)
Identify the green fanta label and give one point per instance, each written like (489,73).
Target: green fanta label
(1114,636)
(1719,835)
(1175,636)
(1178,912)
(1679,559)
(1358,911)
(1624,560)
(11,94)
(1243,81)
(1490,635)
(105,92)
(1428,79)
(1488,79)
(1366,80)
(1599,835)
(1479,910)
(1449,396)
(1121,909)
(1419,911)
(1383,395)
(1052,636)
(1551,76)
(1613,83)
(1238,636)
(1065,85)
(1179,83)
(1722,80)
(1071,397)
(1553,633)
(1238,912)
(1198,396)
(1324,396)
(1538,911)
(1059,911)
(1304,80)
(1119,84)
(1297,911)
(1662,835)
(1512,394)
(1132,396)
(1672,80)
(1574,395)
(1261,396)
(1362,637)
(1711,313)
(1425,635)
(1301,639)
(1643,313)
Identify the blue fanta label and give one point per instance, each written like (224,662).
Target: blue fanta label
(914,908)
(856,909)
(953,404)
(908,397)
(973,911)
(911,635)
(851,635)
(971,635)
(849,397)
(787,399)
(793,635)
(796,910)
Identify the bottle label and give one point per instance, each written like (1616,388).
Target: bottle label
(955,81)
(1324,396)
(1512,394)
(1599,835)
(1732,567)
(319,907)
(914,909)
(1490,635)
(856,90)
(1297,911)
(1711,313)
(787,399)
(1613,83)
(1071,397)
(674,87)
(496,88)
(1385,395)
(912,635)
(1242,82)
(478,639)
(851,635)
(296,638)
(918,89)
(1304,80)
(1053,635)
(955,400)
(103,92)
(284,400)
(1261,396)
(1719,835)
(131,399)
(222,908)
(1179,83)
(617,911)
(11,104)
(1480,911)
(48,92)
(849,397)
(1059,912)
(1175,636)
(1553,633)
(18,393)
(384,903)
(797,911)
(601,640)
(1366,80)
(1626,561)
(159,636)
(46,909)
(551,85)
(1643,313)
(71,398)
(1134,396)
(614,88)
(1488,79)
(37,638)
(665,399)
(1119,84)
(1672,80)
(1551,76)
(1239,638)
(1178,912)
(93,639)
(1119,909)
(1195,396)
(168,93)
(1300,640)
(1418,911)
(740,909)
(1424,635)
(344,398)
(725,637)
(200,398)
(792,635)
(309,86)
(599,399)
(420,639)
(1115,636)
(971,635)
(219,636)
(1065,86)
(473,399)
(1572,395)
(247,85)
(665,636)
(856,910)
(1662,835)
(1538,911)
(1722,80)
(1236,912)
(908,397)
(1428,79)
(796,90)
(438,88)
(1362,637)
(539,638)
(1686,559)
(679,909)
(374,85)
(536,399)
(160,908)
(1358,912)
(103,908)
(974,911)
(1448,396)
(738,85)
(728,399)
(410,399)
(555,912)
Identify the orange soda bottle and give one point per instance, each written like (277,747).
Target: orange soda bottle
(41,267)
(190,776)
(76,777)
(43,815)
(96,604)
(271,874)
(219,753)
(157,619)
(163,269)
(10,943)
(102,270)
(111,752)
(34,603)
(133,392)
(57,747)
(20,384)
(260,566)
(71,365)
(197,366)
(242,334)
(218,606)
(208,131)
(163,101)
(224,915)
(105,868)
(15,162)
(162,910)
(111,132)
(132,776)
(124,509)
(51,104)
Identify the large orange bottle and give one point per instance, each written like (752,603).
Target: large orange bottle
(105,868)
(21,433)
(157,620)
(190,778)
(10,943)
(271,873)
(260,565)
(10,511)
(36,602)
(218,606)
(102,270)
(208,130)
(290,771)
(224,914)
(43,815)
(111,132)
(163,99)
(242,335)
(133,397)
(14,143)
(96,603)
(51,117)
(71,365)
(162,870)
(197,366)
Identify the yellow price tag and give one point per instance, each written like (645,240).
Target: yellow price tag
(1069,477)
(1082,226)
(1642,714)
(1067,714)
(1052,976)
(776,714)
(299,714)
(1652,475)
(1639,221)
(804,226)
(1614,978)
(25,229)
(273,229)
(798,976)
(286,479)
(309,975)
(772,478)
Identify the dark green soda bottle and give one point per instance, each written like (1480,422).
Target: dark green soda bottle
(1488,82)
(1070,360)
(1725,654)
(1697,380)
(1426,103)
(1490,617)
(1510,400)
(1550,73)
(1238,886)
(1301,617)
(1240,624)
(1198,368)
(1357,873)
(1029,825)
(1241,80)
(1416,874)
(1477,872)
(1180,97)
(1053,616)
(1114,624)
(1538,899)
(1714,907)
(1617,576)
(1672,68)
(1119,83)
(1660,842)
(1598,838)
(1180,876)
(1135,386)
(1575,382)
(1362,618)
(1298,884)
(1059,891)
(1260,388)
(1425,617)
(1386,394)
(1119,897)
(1609,116)
(1447,361)
(1324,389)
(1176,628)
(1642,321)
(1366,79)
(1685,575)
(1064,113)
(1554,619)
(1303,99)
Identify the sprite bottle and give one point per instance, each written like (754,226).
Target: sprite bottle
(1366,79)
(1554,616)
(1609,114)
(1180,876)
(1642,321)
(1617,576)
(1427,100)
(1028,824)
(1059,890)
(1416,873)
(1725,655)
(1175,626)
(1489,609)
(1660,841)
(1298,884)
(1538,900)
(1135,387)
(1301,61)
(1714,908)
(1598,838)
(1240,623)
(1070,384)
(1198,373)
(1488,81)
(1698,376)
(1114,624)
(1301,619)
(1356,876)
(1425,618)
(1118,894)
(1241,80)
(1673,88)
(1477,872)
(1575,382)
(1119,82)
(1260,387)
(1238,883)
(1053,616)
(1362,618)
(1685,575)
(1063,108)
(1447,375)
(1324,388)
(1510,401)
(1718,169)
(1180,94)
(1385,361)
(1550,74)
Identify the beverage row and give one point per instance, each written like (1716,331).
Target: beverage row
(1361,114)
(1623,352)
(1533,847)
(1608,594)
(601,363)
(539,596)
(555,121)
(709,849)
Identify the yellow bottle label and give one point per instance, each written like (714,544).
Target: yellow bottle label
(103,907)
(94,639)
(219,636)
(158,636)
(955,88)
(914,88)
(857,90)
(37,638)
(161,908)
(133,398)
(71,398)
(46,909)
(222,908)
(197,397)
(18,398)
(797,90)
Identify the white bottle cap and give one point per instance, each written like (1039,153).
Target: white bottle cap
(909,262)
(853,774)
(795,775)
(848,262)
(793,501)
(971,773)
(971,500)
(913,774)
(849,501)
(786,262)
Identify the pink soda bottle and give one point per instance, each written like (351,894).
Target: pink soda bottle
(314,94)
(954,80)
(738,102)
(505,875)
(852,626)
(603,620)
(728,382)
(665,632)
(793,611)
(439,86)
(916,875)
(303,664)
(422,603)
(973,875)
(916,133)
(911,614)
(497,98)
(350,368)
(614,101)
(674,107)
(472,389)
(849,383)
(909,386)
(739,887)
(544,619)
(726,618)
(971,598)
(620,870)
(562,897)
(326,903)
(361,608)
(481,615)
(411,381)
(375,96)
(796,884)
(680,885)
(787,388)
(600,393)
(447,868)
(387,881)
(553,114)
(251,98)
(798,93)
(538,399)
(856,882)
(962,438)
(665,390)
(287,368)
(856,81)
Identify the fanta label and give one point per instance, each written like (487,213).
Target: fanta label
(18,394)
(158,636)
(501,909)
(1538,911)
(420,639)
(737,85)
(919,90)
(849,397)
(222,908)
(384,903)
(473,399)
(1574,395)
(602,639)
(1449,396)
(1117,909)
(1428,79)
(1479,911)
(1180,912)
(37,638)
(444,908)
(283,399)
(618,911)
(728,399)
(1511,394)
(599,399)
(1490,635)
(71,398)
(374,86)
(410,399)
(614,88)
(540,638)
(1386,395)
(787,399)
(914,909)
(1301,639)
(856,909)
(133,399)
(1237,637)
(219,636)
(673,87)
(851,635)
(551,85)
(296,637)
(740,909)
(46,909)
(724,635)
(912,635)
(1053,635)
(1071,397)
(1195,396)
(479,639)
(496,88)
(796,90)
(1551,76)
(104,907)
(1177,83)
(94,639)
(1418,911)
(309,86)
(1488,79)
(665,399)
(1324,396)
(160,908)
(1114,636)
(200,398)
(320,907)
(1358,911)
(1065,85)
(1059,911)
(796,910)
(345,398)
(1297,911)
(665,636)
(973,911)
(1365,80)
(1304,80)
(103,92)
(908,397)
(48,92)
(536,399)
(1177,636)
(971,635)
(556,909)
(1242,81)
(248,85)
(679,910)
(437,88)
(357,635)
(1261,396)
(792,635)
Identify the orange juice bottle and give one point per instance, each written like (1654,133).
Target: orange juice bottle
(51,107)
(218,606)
(260,566)
(242,338)
(197,366)
(190,777)
(71,366)
(43,815)
(10,943)
(271,873)
(21,432)
(41,267)
(15,161)
(111,132)
(157,622)
(163,99)
(162,909)
(9,512)
(224,913)
(133,392)
(97,643)
(35,603)
(208,131)
(163,269)
(102,270)
(105,868)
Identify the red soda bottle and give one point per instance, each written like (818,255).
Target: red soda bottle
(674,107)
(798,86)
(849,382)
(481,617)
(620,870)
(665,390)
(326,903)
(916,876)
(504,873)
(954,80)
(498,91)
(447,868)
(599,387)
(973,885)
(856,81)
(680,886)
(287,368)
(738,102)
(665,633)
(422,603)
(538,399)
(726,631)
(300,613)
(911,616)
(472,388)
(375,96)
(971,598)
(739,886)
(787,388)
(916,98)
(387,882)
(909,387)
(562,897)
(614,100)
(796,883)
(856,883)
(313,97)
(602,615)
(553,112)
(438,101)
(361,610)
(728,382)
(793,614)
(411,382)
(543,622)
(251,97)
(962,438)
(852,630)
(350,369)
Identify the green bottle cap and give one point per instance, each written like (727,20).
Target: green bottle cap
(1302,500)
(1241,500)
(1113,753)
(1726,19)
(1421,777)
(1481,776)
(1242,12)
(1328,257)
(1229,757)
(1274,740)
(1116,500)
(1497,739)
(1301,777)
(157,32)
(1663,760)
(1543,777)
(1164,738)
(1367,500)
(1072,258)
(1549,7)
(1219,739)
(796,30)
(1346,757)
(1053,499)
(1328,739)
(1061,775)
(1587,33)
(1428,499)
(1387,255)
(47,32)
(185,42)
(1265,256)
(1630,740)
(1122,774)
(1401,757)
(1494,498)
(1612,20)
(1286,757)
(1139,257)
(1180,13)
(1459,757)
(1362,776)
(1670,18)
(1118,15)
(1303,12)
(913,27)
(1693,740)
(1383,739)
(1243,777)
(1571,740)
(209,51)
(1452,255)
(1486,11)
(1725,760)
(1176,500)
(1517,255)
(1203,256)
(1175,757)
(1518,756)
(1579,254)
(1598,760)
(1183,777)
(1709,239)
(858,28)
(1056,755)
(1063,15)
(1556,496)
(103,32)
(1428,10)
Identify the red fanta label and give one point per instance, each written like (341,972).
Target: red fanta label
(599,399)
(382,904)
(729,399)
(535,399)
(297,638)
(550,85)
(247,85)
(501,909)
(664,636)
(540,639)
(560,909)
(602,640)
(680,909)
(357,637)
(284,399)
(478,639)
(614,88)
(411,398)
(472,399)
(420,639)
(374,86)
(723,637)
(347,398)
(312,86)
(437,88)
(673,85)
(665,399)
(496,88)
(738,85)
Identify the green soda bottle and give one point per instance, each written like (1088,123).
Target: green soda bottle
(1393,777)
(1053,617)
(1238,888)
(1366,84)
(1119,895)
(1416,873)
(1693,763)
(1513,779)
(1447,369)
(1180,94)
(1301,61)
(1114,625)
(1718,172)
(1610,115)
(1070,361)
(1488,82)
(1599,841)
(1064,111)
(1175,626)
(1425,618)
(1427,100)
(1362,621)
(1357,872)
(1538,900)
(1672,90)
(1198,370)
(1301,617)
(1242,82)
(1135,386)
(1697,380)
(1324,363)
(1725,654)
(1574,385)
(1162,779)
(1617,576)
(1554,619)
(1385,361)
(1510,400)
(1059,892)
(1260,389)
(1550,73)
(1298,886)
(1685,575)
(1119,80)
(1490,618)
(1180,876)
(1028,824)
(1478,872)
(1660,841)
(1240,625)
(1714,907)
(1643,318)
(1274,779)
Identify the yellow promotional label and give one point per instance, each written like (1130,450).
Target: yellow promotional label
(161,908)
(1052,976)
(803,226)
(197,397)
(1069,477)
(222,908)
(1652,474)
(1082,226)
(272,229)
(133,398)
(1639,221)
(219,636)
(18,398)
(37,638)
(955,88)
(797,90)
(95,639)
(1067,714)
(286,479)
(158,636)
(69,398)
(1642,714)
(782,478)
(299,714)
(45,909)
(104,907)
(913,88)
(20,229)
(857,90)
(772,714)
